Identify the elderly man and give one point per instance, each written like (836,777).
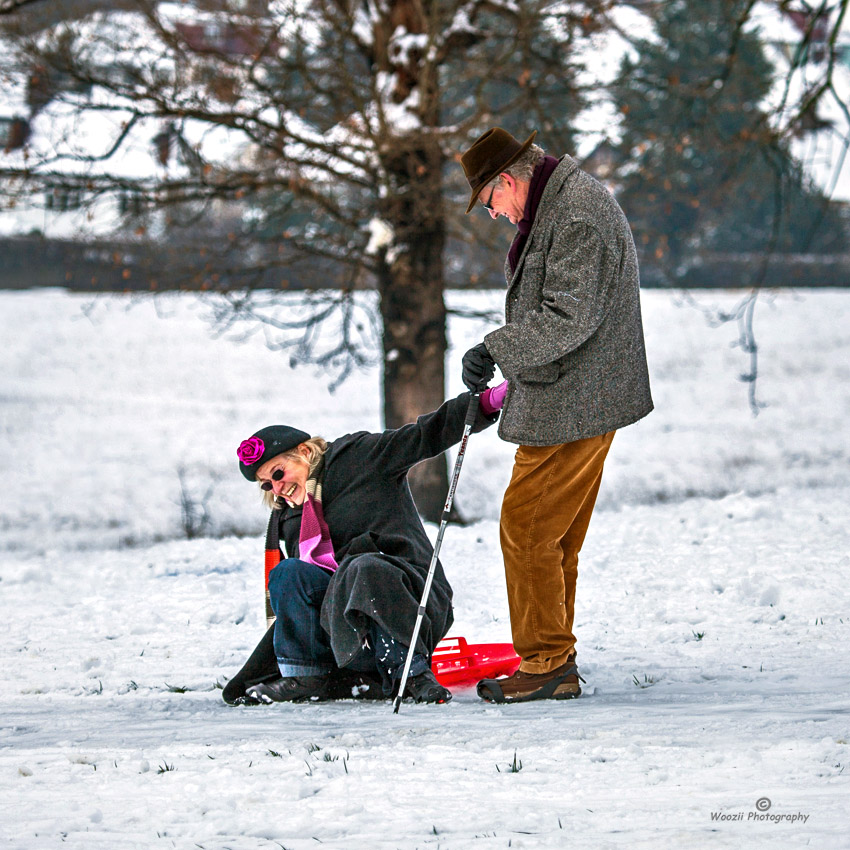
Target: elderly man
(572,351)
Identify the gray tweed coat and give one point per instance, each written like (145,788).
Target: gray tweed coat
(572,347)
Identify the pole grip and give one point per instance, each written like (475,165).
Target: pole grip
(472,410)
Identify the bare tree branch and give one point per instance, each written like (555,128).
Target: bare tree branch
(10,7)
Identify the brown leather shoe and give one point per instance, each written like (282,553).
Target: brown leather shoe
(560,683)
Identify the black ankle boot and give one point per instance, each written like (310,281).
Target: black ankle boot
(426,688)
(291,689)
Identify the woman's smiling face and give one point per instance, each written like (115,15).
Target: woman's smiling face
(291,484)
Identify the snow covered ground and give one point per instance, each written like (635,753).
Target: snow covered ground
(713,609)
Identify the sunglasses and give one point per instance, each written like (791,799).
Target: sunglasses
(277,475)
(488,204)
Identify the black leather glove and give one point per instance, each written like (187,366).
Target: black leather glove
(478,368)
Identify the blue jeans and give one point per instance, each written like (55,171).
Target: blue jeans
(303,648)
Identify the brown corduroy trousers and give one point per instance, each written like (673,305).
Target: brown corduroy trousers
(545,515)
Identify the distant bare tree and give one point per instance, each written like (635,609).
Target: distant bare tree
(810,88)
(706,150)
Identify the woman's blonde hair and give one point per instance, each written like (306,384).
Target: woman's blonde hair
(317,447)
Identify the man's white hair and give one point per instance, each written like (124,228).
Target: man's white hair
(524,167)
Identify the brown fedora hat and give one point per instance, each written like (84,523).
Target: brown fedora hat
(489,156)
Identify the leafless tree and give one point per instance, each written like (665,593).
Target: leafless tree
(352,115)
(713,109)
(809,89)
(349,117)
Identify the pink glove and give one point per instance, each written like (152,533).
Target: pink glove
(492,399)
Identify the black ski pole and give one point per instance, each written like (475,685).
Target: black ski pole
(471,413)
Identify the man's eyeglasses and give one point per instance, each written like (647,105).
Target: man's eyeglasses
(488,204)
(276,476)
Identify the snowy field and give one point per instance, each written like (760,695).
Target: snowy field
(713,608)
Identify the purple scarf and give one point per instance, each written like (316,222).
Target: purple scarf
(539,179)
(314,543)
(314,539)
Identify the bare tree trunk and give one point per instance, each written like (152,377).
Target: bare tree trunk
(412,307)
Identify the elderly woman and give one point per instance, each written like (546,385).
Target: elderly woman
(347,595)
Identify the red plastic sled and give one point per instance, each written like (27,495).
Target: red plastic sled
(458,664)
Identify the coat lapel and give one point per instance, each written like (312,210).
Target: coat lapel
(565,168)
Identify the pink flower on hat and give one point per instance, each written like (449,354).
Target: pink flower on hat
(251,450)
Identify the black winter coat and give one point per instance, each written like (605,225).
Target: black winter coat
(379,543)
